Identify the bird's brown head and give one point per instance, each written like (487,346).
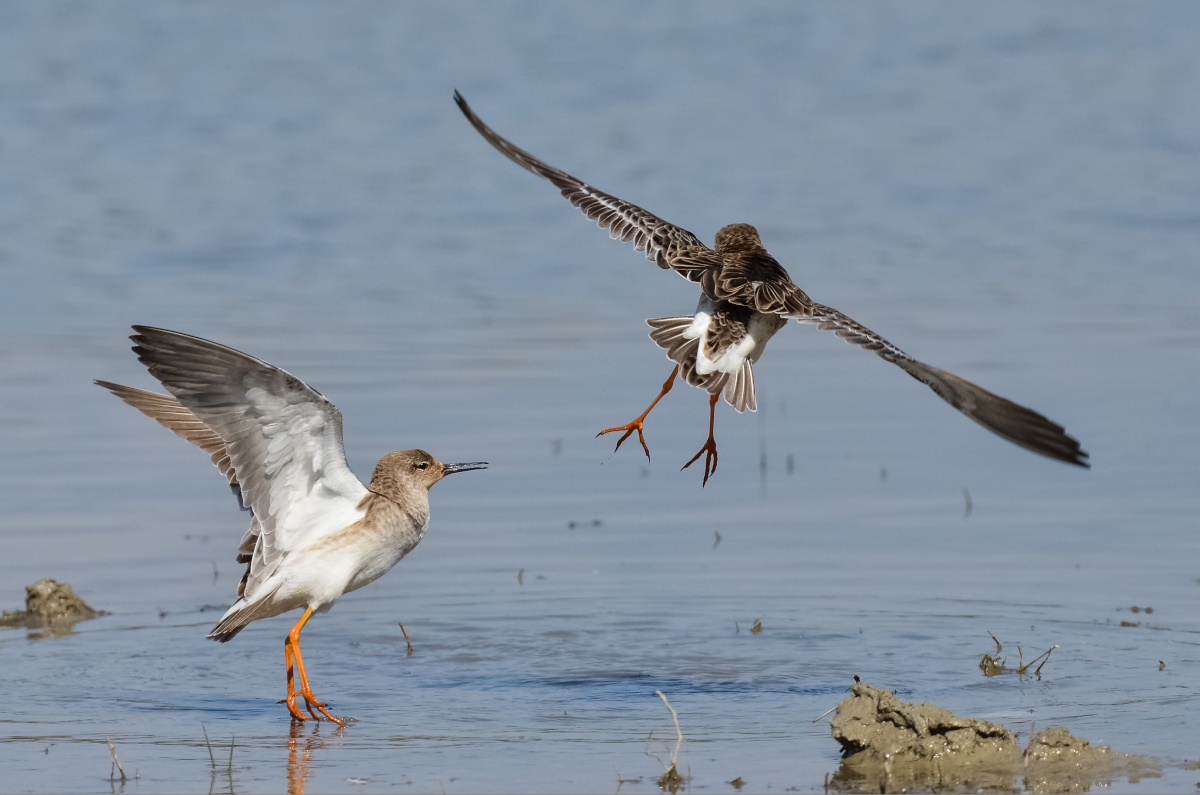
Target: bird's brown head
(737,237)
(406,469)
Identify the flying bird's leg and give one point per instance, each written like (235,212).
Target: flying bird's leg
(636,424)
(292,649)
(710,447)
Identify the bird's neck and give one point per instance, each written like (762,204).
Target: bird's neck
(413,499)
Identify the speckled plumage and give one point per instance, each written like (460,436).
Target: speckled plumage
(746,296)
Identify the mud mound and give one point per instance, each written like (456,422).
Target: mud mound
(50,605)
(893,746)
(1056,761)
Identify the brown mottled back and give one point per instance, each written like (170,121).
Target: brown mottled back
(737,237)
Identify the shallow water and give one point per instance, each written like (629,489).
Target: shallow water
(1010,196)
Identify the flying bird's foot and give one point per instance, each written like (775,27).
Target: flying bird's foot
(709,451)
(636,425)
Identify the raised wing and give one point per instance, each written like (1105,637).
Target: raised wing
(665,244)
(172,415)
(283,439)
(1001,416)
(175,417)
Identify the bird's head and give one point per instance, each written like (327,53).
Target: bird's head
(413,468)
(737,237)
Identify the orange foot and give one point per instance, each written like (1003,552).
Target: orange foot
(291,653)
(636,424)
(306,692)
(710,460)
(310,701)
(709,450)
(297,715)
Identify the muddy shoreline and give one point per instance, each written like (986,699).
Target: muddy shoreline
(891,745)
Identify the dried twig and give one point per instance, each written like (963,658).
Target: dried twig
(406,640)
(831,709)
(678,731)
(1023,666)
(671,779)
(115,762)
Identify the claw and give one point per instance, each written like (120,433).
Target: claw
(297,715)
(636,424)
(709,450)
(310,703)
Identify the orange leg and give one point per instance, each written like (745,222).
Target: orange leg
(710,447)
(291,650)
(636,424)
(291,686)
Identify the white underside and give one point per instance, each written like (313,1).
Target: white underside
(334,559)
(761,328)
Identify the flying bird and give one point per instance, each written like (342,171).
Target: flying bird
(746,296)
(316,532)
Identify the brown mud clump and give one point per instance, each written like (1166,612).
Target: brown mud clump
(52,606)
(670,781)
(889,745)
(1056,761)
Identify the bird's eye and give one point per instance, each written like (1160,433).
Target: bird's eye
(423,465)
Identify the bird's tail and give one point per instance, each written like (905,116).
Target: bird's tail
(239,615)
(737,388)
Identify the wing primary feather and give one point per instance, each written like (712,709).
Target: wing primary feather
(664,244)
(1016,423)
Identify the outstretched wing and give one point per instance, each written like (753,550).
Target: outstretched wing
(283,439)
(1001,416)
(174,416)
(665,244)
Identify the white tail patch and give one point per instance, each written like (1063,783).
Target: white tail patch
(677,336)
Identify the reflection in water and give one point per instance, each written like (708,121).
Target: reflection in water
(214,770)
(300,750)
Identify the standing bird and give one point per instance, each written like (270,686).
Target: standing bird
(316,531)
(745,297)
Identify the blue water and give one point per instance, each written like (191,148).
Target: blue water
(1008,193)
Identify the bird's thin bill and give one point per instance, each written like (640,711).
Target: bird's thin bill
(450,469)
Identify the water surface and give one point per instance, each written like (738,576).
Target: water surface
(1010,195)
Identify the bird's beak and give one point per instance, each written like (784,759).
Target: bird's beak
(450,469)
